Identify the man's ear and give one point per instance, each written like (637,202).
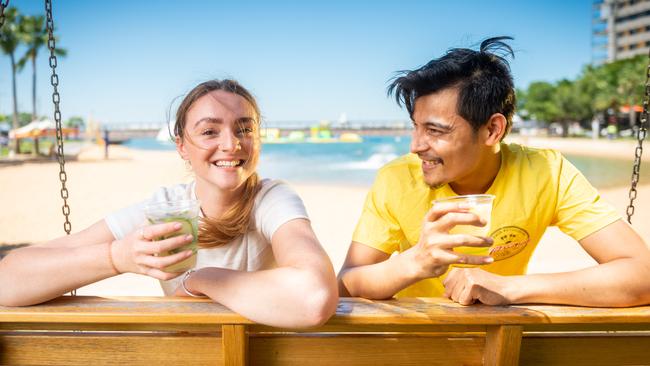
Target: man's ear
(495,129)
(180,147)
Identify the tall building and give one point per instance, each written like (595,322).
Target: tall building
(620,29)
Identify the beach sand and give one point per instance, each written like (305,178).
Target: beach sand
(31,201)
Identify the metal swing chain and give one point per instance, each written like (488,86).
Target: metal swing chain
(3,5)
(54,80)
(640,135)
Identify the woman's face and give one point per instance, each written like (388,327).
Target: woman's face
(221,139)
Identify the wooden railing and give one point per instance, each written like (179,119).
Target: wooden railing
(420,331)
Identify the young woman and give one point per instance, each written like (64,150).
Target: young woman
(258,253)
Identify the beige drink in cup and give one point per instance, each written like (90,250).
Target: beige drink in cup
(187,213)
(481,205)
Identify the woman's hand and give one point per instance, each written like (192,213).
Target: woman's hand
(138,253)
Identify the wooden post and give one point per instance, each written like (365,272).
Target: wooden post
(235,345)
(502,345)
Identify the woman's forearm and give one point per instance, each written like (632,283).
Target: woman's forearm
(284,297)
(36,274)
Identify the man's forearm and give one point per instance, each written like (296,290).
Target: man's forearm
(622,282)
(380,280)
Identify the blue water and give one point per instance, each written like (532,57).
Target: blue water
(357,163)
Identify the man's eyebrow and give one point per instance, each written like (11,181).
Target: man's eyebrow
(437,125)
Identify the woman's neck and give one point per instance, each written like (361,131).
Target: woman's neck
(215,201)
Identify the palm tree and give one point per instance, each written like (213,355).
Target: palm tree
(35,36)
(10,36)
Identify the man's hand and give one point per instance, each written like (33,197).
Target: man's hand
(467,285)
(434,252)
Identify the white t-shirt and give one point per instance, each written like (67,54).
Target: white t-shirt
(275,204)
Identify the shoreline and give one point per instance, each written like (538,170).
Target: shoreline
(613,149)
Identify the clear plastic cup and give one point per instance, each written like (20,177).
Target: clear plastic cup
(187,213)
(481,205)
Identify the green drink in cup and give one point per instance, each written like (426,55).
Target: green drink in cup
(186,212)
(481,205)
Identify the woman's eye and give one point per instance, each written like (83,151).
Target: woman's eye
(245,131)
(209,132)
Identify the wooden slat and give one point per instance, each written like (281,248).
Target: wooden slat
(122,327)
(587,327)
(131,310)
(587,351)
(108,349)
(373,328)
(235,345)
(351,311)
(502,345)
(365,350)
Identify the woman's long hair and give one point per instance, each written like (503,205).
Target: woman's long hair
(235,222)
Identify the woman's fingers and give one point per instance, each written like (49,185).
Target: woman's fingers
(151,232)
(164,261)
(162,246)
(161,275)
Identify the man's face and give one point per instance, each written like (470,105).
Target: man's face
(445,142)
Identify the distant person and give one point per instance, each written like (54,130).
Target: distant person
(595,128)
(612,131)
(258,253)
(461,105)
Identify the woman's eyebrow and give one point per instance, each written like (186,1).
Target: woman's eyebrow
(208,120)
(245,120)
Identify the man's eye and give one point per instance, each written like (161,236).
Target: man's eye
(433,131)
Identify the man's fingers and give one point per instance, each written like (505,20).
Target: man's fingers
(450,257)
(450,219)
(451,277)
(440,209)
(464,240)
(466,297)
(473,259)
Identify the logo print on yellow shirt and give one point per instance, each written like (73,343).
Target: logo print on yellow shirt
(508,241)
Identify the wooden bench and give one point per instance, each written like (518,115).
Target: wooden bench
(432,331)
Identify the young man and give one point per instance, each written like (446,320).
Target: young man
(461,105)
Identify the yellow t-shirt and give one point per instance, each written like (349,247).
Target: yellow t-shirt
(534,189)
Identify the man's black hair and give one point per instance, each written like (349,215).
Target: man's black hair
(482,77)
